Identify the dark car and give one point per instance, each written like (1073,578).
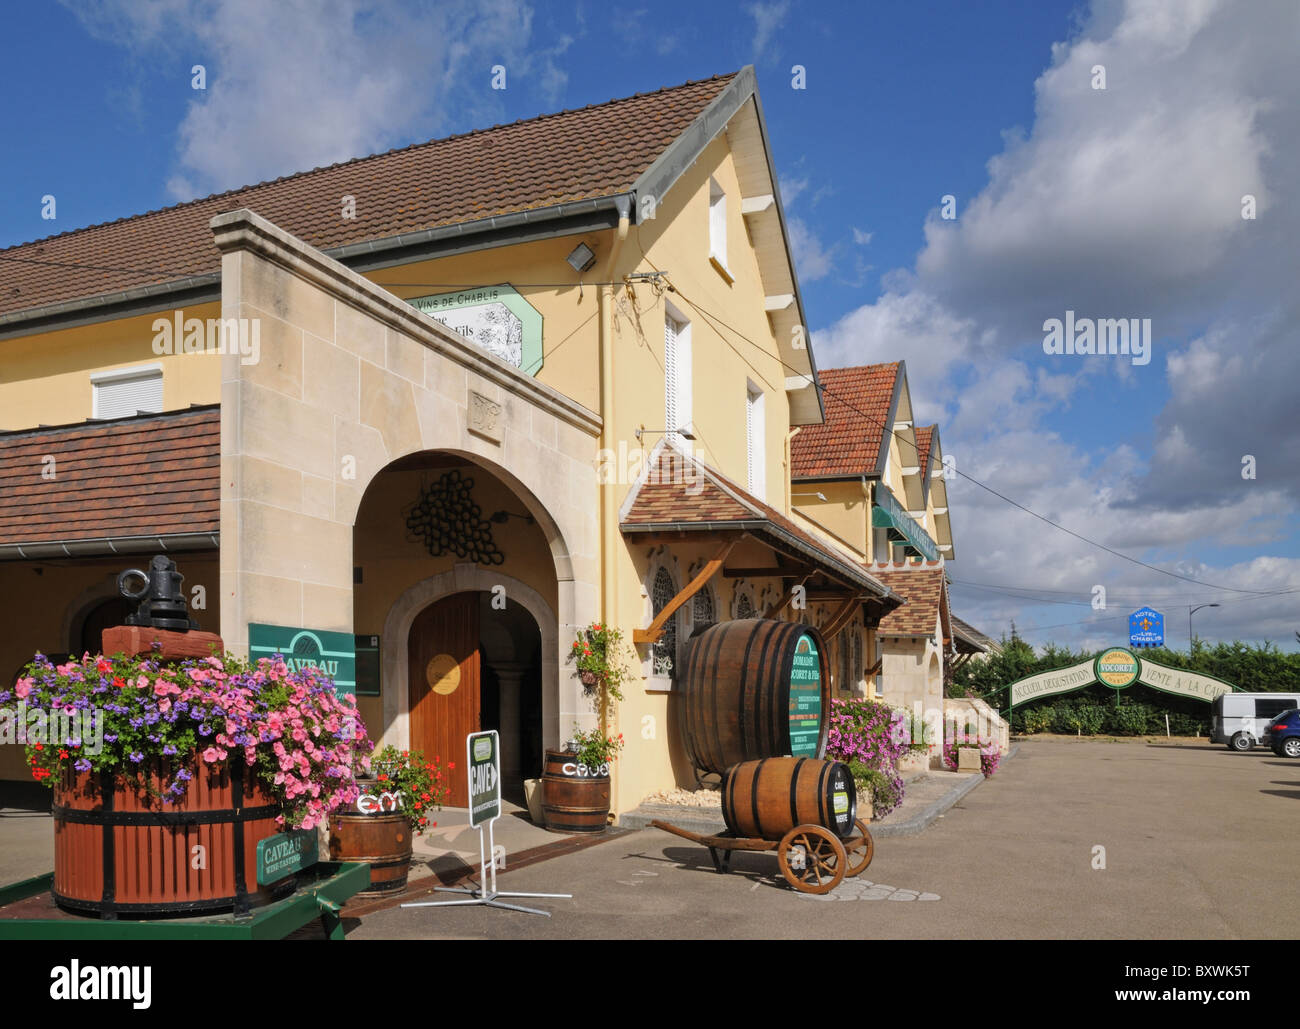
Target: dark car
(1283,734)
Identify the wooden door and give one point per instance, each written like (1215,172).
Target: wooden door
(444,685)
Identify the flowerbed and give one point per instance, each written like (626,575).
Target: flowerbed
(289,726)
(870,738)
(990,752)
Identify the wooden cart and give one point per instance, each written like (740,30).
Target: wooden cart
(812,858)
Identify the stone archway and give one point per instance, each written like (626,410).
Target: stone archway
(465,578)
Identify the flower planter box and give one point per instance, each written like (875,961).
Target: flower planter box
(120,851)
(375,829)
(576,798)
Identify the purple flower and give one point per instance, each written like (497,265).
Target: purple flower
(82,765)
(136,756)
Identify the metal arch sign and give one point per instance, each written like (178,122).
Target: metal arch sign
(1118,668)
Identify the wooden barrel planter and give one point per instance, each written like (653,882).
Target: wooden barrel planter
(374,829)
(575,798)
(768,798)
(120,851)
(754,688)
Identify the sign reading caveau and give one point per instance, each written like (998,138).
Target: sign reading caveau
(332,652)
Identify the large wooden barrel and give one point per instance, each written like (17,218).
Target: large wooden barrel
(374,829)
(768,798)
(754,688)
(575,798)
(117,850)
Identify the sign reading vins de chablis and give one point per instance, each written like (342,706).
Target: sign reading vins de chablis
(484,753)
(805,698)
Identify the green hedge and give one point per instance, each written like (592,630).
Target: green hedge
(1128,718)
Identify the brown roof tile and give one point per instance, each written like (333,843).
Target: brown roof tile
(925,587)
(594,151)
(924,435)
(681,491)
(858,402)
(143,476)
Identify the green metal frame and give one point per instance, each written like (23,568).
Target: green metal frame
(322,892)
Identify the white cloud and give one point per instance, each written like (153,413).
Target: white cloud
(861,238)
(294,85)
(767,19)
(811,259)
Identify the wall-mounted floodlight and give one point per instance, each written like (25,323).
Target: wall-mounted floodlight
(684,432)
(582,258)
(819,495)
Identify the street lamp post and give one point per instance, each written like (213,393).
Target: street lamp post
(1191,640)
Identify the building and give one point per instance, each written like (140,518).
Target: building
(423,415)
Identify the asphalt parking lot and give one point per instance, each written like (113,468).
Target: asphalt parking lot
(1196,842)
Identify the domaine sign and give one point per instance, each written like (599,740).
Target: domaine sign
(805,698)
(1118,668)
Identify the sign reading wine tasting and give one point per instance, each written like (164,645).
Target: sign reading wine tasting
(286,853)
(805,698)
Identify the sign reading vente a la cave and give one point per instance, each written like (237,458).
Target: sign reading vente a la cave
(332,652)
(805,698)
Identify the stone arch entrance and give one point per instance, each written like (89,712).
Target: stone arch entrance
(502,653)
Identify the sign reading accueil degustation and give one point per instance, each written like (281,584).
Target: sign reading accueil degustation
(483,752)
(805,698)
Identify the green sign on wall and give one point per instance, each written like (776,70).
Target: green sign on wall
(286,853)
(805,698)
(496,318)
(332,652)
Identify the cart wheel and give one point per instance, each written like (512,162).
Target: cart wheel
(819,852)
(861,853)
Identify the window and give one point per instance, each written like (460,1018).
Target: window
(677,375)
(703,610)
(717,224)
(664,653)
(1270,708)
(856,675)
(129,391)
(846,664)
(744,606)
(755,431)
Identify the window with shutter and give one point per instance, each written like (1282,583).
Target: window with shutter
(754,437)
(717,223)
(131,391)
(677,376)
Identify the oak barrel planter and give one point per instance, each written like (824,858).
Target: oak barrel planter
(120,851)
(374,828)
(754,688)
(575,798)
(769,798)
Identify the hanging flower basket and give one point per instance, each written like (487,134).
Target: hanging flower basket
(598,655)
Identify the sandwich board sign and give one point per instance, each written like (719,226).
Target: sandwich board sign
(483,750)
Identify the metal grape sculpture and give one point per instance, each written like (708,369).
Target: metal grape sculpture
(446,520)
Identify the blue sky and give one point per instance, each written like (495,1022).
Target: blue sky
(1115,203)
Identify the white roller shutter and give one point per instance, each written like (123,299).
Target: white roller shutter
(123,394)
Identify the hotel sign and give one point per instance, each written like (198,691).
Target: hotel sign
(495,318)
(1146,628)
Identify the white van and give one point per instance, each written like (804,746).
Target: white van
(1239,719)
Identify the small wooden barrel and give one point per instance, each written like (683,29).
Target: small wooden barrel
(119,851)
(374,829)
(575,798)
(754,688)
(768,798)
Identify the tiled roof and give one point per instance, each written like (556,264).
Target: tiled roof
(923,438)
(978,642)
(858,402)
(680,492)
(925,588)
(594,151)
(144,476)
